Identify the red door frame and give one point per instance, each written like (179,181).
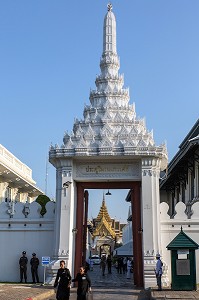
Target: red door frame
(81,217)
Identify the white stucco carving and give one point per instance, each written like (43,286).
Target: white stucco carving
(102,170)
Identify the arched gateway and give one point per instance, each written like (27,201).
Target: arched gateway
(109,148)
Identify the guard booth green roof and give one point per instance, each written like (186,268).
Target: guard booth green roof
(182,241)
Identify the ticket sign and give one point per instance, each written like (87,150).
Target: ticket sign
(45,260)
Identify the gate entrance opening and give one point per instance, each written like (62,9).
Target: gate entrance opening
(82,217)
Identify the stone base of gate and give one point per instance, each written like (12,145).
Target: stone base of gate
(51,271)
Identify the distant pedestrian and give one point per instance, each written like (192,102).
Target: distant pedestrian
(84,284)
(91,264)
(23,267)
(129,266)
(103,264)
(87,265)
(63,280)
(109,264)
(34,262)
(120,265)
(124,265)
(158,272)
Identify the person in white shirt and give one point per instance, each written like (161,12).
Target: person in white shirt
(158,272)
(129,265)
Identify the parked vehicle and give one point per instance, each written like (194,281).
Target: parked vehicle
(95,259)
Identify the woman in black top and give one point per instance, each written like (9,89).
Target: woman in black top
(63,281)
(84,284)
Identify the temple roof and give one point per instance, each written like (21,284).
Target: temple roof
(182,163)
(103,213)
(102,227)
(104,222)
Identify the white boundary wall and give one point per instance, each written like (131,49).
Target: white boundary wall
(30,233)
(170,228)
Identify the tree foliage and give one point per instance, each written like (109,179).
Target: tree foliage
(42,200)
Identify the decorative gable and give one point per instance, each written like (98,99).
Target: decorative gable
(182,241)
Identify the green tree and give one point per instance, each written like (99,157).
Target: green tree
(42,200)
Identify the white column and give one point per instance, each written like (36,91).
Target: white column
(151,217)
(24,197)
(3,187)
(14,193)
(64,221)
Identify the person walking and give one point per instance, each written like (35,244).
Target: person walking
(23,267)
(84,284)
(34,262)
(124,265)
(120,265)
(91,264)
(103,264)
(109,264)
(63,281)
(158,272)
(129,265)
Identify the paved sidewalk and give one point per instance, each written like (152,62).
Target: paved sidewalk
(109,287)
(25,292)
(168,294)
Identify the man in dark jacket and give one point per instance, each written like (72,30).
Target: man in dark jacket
(109,263)
(84,284)
(34,262)
(63,281)
(23,267)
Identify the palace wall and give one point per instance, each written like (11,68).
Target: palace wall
(171,227)
(22,228)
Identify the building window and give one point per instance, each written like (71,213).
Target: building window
(173,203)
(183,193)
(192,186)
(177,195)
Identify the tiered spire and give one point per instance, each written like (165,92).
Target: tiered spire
(109,126)
(103,213)
(104,222)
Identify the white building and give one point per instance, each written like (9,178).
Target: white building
(16,183)
(179,196)
(21,225)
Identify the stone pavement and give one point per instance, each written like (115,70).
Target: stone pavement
(109,287)
(167,294)
(24,291)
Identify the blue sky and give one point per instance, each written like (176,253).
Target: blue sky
(49,58)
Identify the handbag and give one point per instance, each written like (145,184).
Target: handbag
(89,296)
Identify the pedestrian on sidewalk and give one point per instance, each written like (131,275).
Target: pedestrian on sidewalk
(103,264)
(129,265)
(23,267)
(124,265)
(63,281)
(84,284)
(120,265)
(34,262)
(91,264)
(109,264)
(158,272)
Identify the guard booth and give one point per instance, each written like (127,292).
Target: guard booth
(183,263)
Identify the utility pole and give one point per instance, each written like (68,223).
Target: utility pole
(46,177)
